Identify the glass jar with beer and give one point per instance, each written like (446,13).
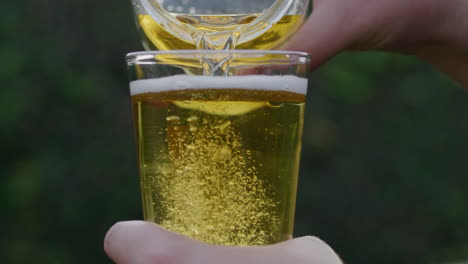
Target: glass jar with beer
(218,24)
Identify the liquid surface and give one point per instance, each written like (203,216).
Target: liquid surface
(219,164)
(155,37)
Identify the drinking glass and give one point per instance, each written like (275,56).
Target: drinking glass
(219,154)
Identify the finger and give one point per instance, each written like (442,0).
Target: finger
(325,33)
(312,250)
(138,242)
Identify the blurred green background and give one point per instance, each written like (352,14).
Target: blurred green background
(384,169)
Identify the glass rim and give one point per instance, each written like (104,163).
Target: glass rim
(136,54)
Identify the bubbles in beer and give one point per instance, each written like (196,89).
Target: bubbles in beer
(212,186)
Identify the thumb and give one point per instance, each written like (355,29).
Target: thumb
(138,242)
(325,33)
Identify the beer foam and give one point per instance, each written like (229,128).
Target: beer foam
(287,83)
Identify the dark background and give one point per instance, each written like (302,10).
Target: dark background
(384,169)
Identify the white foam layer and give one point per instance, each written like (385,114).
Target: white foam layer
(287,83)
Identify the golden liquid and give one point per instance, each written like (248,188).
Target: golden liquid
(220,165)
(156,37)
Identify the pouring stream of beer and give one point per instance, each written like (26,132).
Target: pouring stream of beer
(217,32)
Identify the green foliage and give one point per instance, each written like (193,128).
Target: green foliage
(383,177)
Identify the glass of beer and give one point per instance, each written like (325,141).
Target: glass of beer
(219,154)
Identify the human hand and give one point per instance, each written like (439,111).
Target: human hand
(434,30)
(138,242)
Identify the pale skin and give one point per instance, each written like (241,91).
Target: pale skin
(433,30)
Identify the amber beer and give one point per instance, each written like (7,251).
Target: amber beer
(155,37)
(219,156)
